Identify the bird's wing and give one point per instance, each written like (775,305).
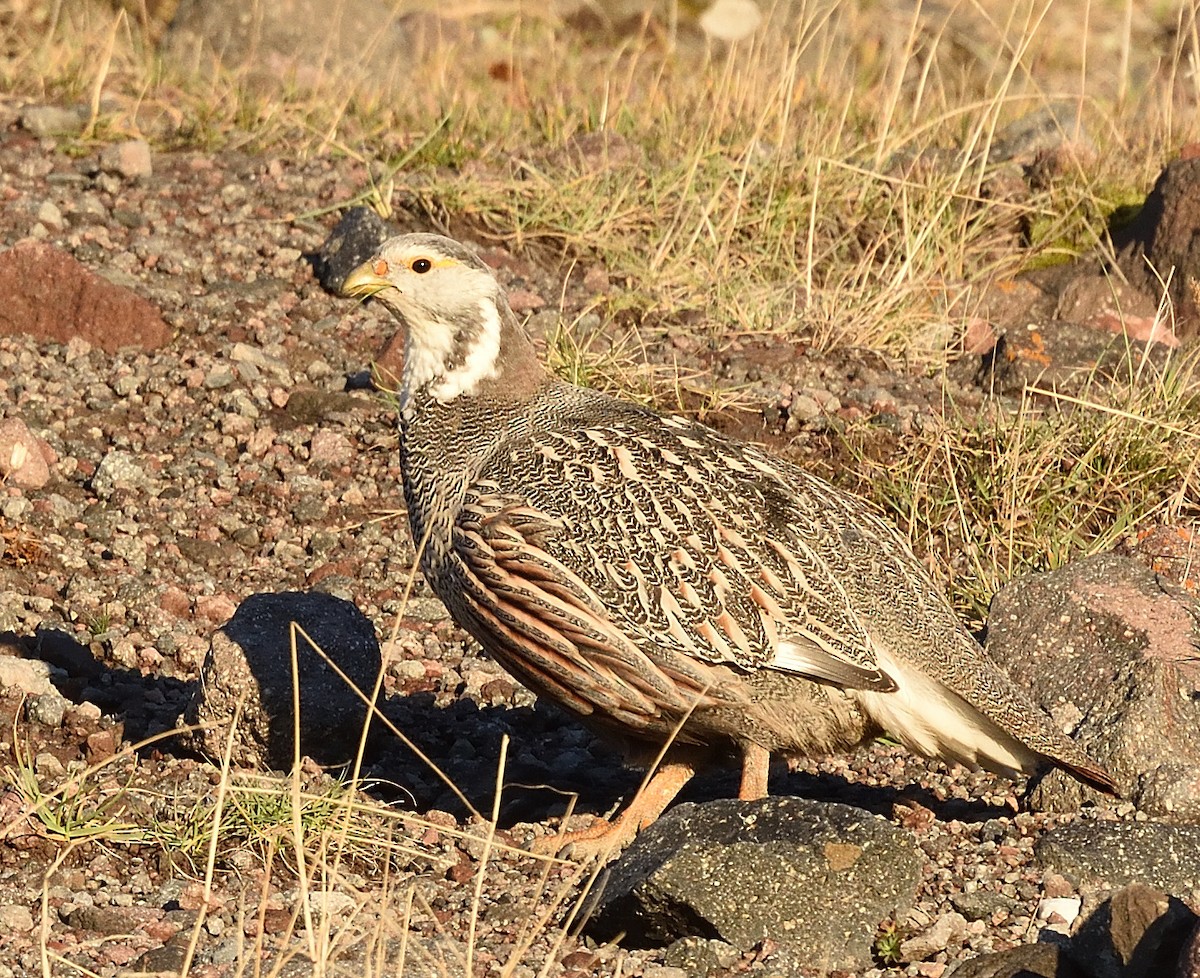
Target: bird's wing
(552,630)
(693,548)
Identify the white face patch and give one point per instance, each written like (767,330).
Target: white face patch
(432,348)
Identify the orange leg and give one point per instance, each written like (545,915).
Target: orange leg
(756,766)
(606,839)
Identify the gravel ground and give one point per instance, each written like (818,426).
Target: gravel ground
(238,459)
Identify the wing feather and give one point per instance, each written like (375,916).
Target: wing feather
(553,631)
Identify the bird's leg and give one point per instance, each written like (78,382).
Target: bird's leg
(756,765)
(605,839)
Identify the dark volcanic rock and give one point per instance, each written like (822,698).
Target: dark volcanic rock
(249,669)
(1163,243)
(816,877)
(353,240)
(1119,853)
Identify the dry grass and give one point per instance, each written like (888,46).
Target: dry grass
(1006,493)
(827,179)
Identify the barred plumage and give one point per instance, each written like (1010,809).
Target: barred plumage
(658,579)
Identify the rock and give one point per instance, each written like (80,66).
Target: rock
(245,353)
(524,300)
(119,470)
(1050,129)
(698,956)
(311,407)
(1111,653)
(330,449)
(1121,853)
(804,408)
(1027,961)
(102,920)
(982,904)
(1098,301)
(167,961)
(100,745)
(130,159)
(1065,908)
(53,298)
(54,120)
(48,709)
(218,377)
(816,877)
(49,214)
(353,240)
(250,658)
(29,676)
(950,929)
(1162,243)
(1139,932)
(328,903)
(15,919)
(1169,551)
(22,459)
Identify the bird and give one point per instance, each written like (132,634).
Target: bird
(685,594)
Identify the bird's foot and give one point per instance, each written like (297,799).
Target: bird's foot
(604,840)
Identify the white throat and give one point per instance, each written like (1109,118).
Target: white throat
(431,350)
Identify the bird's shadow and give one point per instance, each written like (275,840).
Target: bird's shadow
(552,765)
(448,755)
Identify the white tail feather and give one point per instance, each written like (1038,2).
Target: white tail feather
(930,719)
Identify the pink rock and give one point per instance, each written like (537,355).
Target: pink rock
(215,607)
(22,457)
(979,337)
(174,601)
(330,449)
(523,300)
(1145,329)
(52,297)
(129,159)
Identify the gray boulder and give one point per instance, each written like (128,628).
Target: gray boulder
(816,878)
(1120,853)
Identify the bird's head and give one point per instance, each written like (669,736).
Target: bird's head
(461,332)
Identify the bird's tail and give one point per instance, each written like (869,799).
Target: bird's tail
(930,719)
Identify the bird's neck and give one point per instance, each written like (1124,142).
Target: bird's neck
(492,358)
(445,445)
(457,409)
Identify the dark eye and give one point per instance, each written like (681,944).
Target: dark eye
(421,265)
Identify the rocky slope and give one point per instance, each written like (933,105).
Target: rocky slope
(205,430)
